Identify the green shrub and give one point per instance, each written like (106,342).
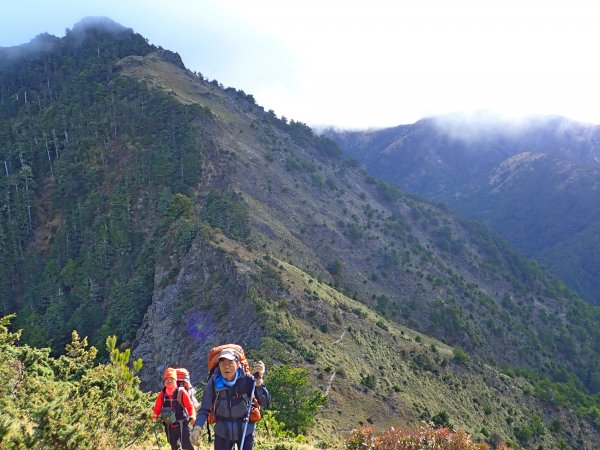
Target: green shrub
(70,402)
(369,381)
(459,356)
(295,401)
(227,212)
(524,433)
(335,267)
(442,419)
(180,205)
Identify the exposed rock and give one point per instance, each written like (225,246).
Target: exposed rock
(205,305)
(171,57)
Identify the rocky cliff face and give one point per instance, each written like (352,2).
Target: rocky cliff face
(199,301)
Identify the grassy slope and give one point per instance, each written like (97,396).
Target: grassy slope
(415,375)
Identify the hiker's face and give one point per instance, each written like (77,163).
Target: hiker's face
(228,368)
(169,381)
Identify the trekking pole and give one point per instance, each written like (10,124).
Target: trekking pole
(208,432)
(247,418)
(156,435)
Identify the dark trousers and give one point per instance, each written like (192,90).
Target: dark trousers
(226,444)
(179,434)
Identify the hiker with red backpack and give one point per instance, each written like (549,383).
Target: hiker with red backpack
(175,408)
(183,380)
(232,400)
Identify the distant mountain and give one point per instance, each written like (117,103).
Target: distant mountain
(535,182)
(140,199)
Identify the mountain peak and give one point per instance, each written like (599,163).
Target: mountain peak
(99,24)
(96,27)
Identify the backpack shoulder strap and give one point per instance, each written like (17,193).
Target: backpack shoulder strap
(180,401)
(180,396)
(164,395)
(215,397)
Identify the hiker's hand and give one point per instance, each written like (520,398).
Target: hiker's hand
(195,436)
(259,372)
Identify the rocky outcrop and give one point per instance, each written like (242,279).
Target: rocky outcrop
(171,57)
(199,302)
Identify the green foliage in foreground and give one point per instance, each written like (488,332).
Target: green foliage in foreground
(69,402)
(295,402)
(72,402)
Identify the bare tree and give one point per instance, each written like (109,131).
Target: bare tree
(49,158)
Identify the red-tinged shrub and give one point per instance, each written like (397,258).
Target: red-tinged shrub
(420,439)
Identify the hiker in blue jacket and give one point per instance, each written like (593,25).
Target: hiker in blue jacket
(226,399)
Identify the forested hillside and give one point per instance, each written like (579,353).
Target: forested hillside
(90,166)
(535,182)
(143,201)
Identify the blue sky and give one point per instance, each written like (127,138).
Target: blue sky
(359,64)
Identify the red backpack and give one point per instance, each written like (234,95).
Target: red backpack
(183,381)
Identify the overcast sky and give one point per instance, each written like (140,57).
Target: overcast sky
(371,63)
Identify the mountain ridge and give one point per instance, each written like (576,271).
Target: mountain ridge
(431,158)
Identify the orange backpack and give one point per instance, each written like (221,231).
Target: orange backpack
(213,357)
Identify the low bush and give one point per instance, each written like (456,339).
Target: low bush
(420,439)
(70,402)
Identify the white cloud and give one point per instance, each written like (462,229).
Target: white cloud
(366,63)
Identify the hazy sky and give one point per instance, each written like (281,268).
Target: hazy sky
(368,63)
